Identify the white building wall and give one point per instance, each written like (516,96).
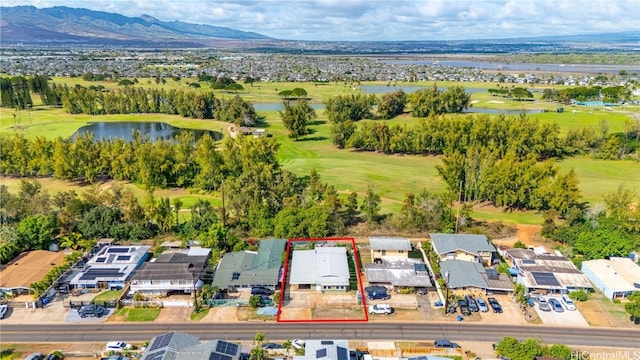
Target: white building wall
(599,283)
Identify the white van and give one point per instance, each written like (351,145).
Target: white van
(117,346)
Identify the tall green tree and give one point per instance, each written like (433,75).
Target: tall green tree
(370,207)
(296,117)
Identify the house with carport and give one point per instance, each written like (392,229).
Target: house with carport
(546,274)
(466,275)
(323,269)
(466,247)
(244,269)
(616,277)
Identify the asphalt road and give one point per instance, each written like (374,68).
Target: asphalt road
(583,336)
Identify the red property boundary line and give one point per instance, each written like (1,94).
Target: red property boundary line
(284,282)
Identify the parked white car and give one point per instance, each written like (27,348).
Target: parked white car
(117,346)
(567,302)
(297,343)
(380,309)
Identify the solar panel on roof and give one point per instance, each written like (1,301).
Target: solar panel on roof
(343,354)
(326,342)
(492,274)
(321,353)
(545,278)
(124,257)
(118,250)
(216,356)
(161,341)
(420,267)
(529,261)
(226,348)
(100,260)
(156,356)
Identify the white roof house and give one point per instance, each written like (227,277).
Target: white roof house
(616,277)
(548,273)
(326,268)
(110,267)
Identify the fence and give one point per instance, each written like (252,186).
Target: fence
(226,302)
(78,304)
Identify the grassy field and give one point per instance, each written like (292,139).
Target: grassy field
(392,176)
(141,314)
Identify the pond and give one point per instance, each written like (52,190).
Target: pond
(153,130)
(383,89)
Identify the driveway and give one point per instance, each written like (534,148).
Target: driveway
(566,318)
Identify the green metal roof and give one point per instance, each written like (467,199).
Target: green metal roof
(246,268)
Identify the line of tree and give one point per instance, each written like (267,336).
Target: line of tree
(517,93)
(611,94)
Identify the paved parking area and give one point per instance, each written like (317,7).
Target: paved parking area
(72,316)
(566,318)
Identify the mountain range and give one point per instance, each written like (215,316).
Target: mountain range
(65,25)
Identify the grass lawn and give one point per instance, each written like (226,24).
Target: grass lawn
(108,295)
(139,314)
(11,352)
(391,176)
(197,316)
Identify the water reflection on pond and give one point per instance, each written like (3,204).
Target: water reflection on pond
(153,130)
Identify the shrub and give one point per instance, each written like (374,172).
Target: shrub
(579,295)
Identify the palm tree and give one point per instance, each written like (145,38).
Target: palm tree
(258,353)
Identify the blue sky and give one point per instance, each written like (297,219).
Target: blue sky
(384,19)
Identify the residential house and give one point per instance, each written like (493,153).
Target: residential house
(244,269)
(110,267)
(28,267)
(323,268)
(389,246)
(464,275)
(465,247)
(546,273)
(172,272)
(325,350)
(616,277)
(399,273)
(182,346)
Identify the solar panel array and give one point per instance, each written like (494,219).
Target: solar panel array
(155,356)
(92,273)
(492,274)
(161,341)
(216,356)
(529,261)
(228,348)
(321,353)
(100,260)
(118,250)
(124,257)
(326,342)
(545,278)
(343,354)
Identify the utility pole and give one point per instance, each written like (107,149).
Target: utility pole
(446,297)
(224,212)
(458,211)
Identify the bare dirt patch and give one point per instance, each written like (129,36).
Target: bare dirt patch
(597,314)
(295,313)
(221,314)
(527,234)
(337,313)
(174,314)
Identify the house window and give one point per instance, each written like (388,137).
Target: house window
(235,276)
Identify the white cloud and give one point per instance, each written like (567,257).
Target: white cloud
(383,19)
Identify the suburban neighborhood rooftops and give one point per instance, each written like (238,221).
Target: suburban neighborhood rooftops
(546,271)
(389,243)
(322,265)
(446,243)
(619,273)
(325,350)
(246,268)
(471,274)
(181,346)
(399,272)
(27,268)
